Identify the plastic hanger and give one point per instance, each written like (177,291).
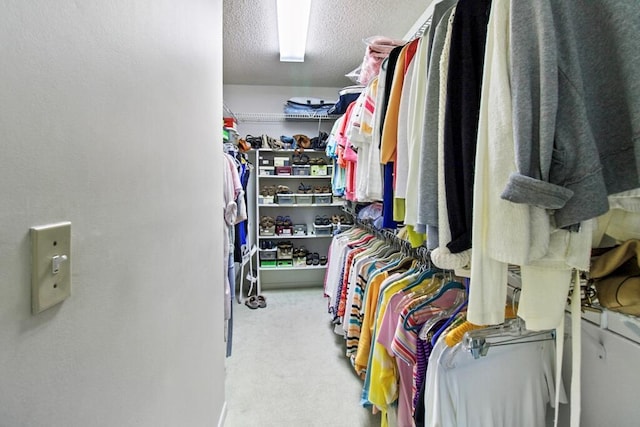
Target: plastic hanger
(478,341)
(448,286)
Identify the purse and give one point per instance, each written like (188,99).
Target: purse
(616,276)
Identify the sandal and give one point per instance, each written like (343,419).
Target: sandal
(304,189)
(253,302)
(262,301)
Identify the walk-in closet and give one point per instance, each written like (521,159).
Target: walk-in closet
(448,236)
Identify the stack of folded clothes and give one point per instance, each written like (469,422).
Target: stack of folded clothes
(312,106)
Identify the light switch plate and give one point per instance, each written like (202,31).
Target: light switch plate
(50,282)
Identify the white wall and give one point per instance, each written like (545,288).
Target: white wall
(109,118)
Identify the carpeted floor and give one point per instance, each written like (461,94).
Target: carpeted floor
(288,367)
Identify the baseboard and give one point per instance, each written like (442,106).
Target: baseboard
(223,415)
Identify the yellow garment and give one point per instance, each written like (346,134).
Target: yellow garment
(368,320)
(456,334)
(389,139)
(416,239)
(398,209)
(383,387)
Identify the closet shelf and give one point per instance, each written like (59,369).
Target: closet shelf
(306,267)
(295,176)
(281,117)
(300,205)
(284,237)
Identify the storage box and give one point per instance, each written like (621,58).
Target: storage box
(283,170)
(265,161)
(266,200)
(319,170)
(284,263)
(301,170)
(304,199)
(285,199)
(299,229)
(322,230)
(268,264)
(267,254)
(322,199)
(281,161)
(268,231)
(283,230)
(266,170)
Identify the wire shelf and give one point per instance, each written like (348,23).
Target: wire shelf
(281,117)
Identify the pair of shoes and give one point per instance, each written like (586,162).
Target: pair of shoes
(313,258)
(300,252)
(256,301)
(266,244)
(283,189)
(318,161)
(323,260)
(304,189)
(322,220)
(266,222)
(346,220)
(284,221)
(322,190)
(254,141)
(336,219)
(300,159)
(272,143)
(268,190)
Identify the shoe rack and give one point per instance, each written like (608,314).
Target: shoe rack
(295,215)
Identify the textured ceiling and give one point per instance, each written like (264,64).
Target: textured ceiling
(334,42)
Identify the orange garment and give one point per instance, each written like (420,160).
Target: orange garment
(456,334)
(389,139)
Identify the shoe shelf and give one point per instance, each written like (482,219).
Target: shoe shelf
(293,177)
(281,117)
(295,205)
(309,186)
(285,237)
(302,267)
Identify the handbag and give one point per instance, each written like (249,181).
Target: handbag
(243,145)
(616,276)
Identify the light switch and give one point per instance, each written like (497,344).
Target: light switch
(50,265)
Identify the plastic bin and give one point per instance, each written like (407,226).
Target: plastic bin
(283,230)
(266,200)
(299,229)
(301,170)
(322,230)
(266,170)
(322,199)
(267,254)
(285,199)
(283,170)
(284,263)
(268,231)
(268,263)
(304,199)
(281,161)
(319,170)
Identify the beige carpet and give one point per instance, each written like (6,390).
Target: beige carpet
(288,367)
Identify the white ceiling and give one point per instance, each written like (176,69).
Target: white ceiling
(334,42)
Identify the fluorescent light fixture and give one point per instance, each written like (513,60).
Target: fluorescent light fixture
(293,24)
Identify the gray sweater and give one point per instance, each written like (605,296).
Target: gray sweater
(576,102)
